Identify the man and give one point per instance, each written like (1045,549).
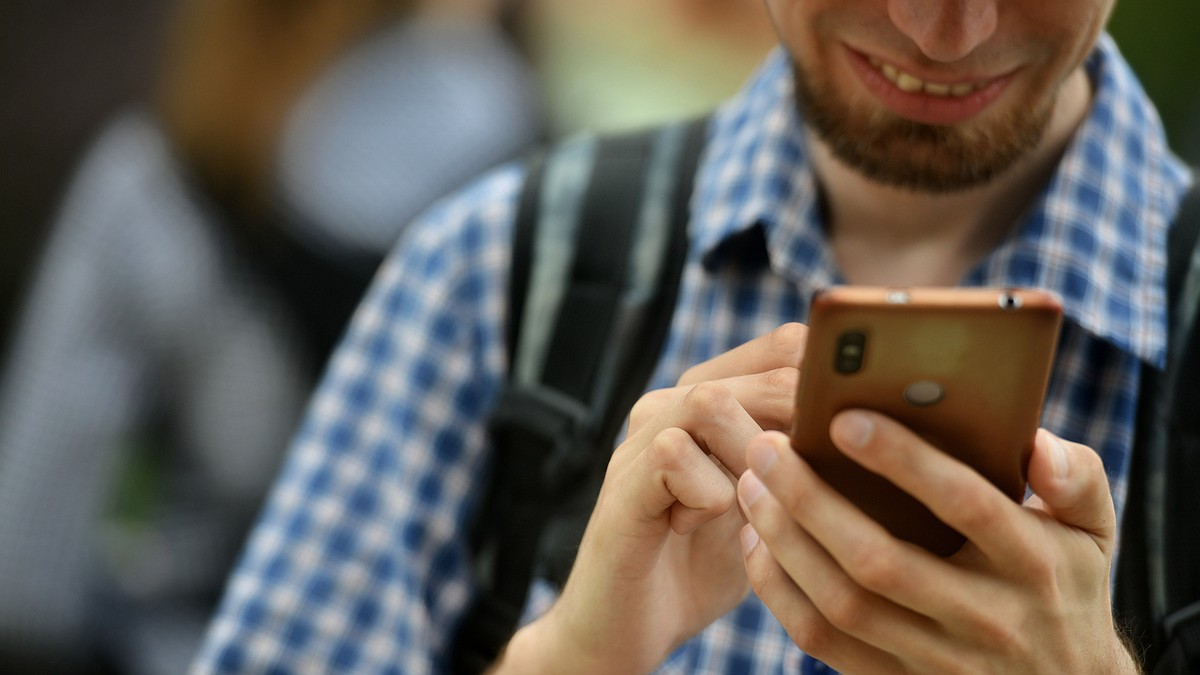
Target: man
(903,142)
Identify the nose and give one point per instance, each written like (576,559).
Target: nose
(945,30)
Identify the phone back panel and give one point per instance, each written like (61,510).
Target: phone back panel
(965,368)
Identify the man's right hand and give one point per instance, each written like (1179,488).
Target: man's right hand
(660,559)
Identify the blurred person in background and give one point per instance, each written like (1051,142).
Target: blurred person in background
(107,52)
(209,248)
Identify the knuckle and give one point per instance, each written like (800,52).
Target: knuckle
(847,609)
(779,388)
(669,448)
(999,633)
(648,407)
(717,501)
(709,398)
(993,623)
(688,375)
(788,339)
(783,380)
(971,512)
(875,569)
(813,636)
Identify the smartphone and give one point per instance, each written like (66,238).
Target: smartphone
(965,368)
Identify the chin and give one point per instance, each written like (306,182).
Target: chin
(902,153)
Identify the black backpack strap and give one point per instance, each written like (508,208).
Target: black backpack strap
(598,251)
(1158,576)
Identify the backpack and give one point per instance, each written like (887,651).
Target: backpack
(585,329)
(1157,594)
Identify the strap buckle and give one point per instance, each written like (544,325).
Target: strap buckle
(548,430)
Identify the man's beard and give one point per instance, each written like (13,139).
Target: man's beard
(920,157)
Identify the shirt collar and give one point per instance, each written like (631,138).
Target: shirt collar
(1096,236)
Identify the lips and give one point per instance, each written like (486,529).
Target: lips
(944,102)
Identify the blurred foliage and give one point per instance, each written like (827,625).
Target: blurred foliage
(1162,42)
(627,63)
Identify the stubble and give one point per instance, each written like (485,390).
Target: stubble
(920,157)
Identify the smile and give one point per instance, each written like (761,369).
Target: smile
(912,84)
(926,101)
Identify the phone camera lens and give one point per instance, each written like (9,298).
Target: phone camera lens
(1010,301)
(851,348)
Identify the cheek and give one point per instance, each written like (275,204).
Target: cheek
(1057,36)
(1071,26)
(777,12)
(787,19)
(803,27)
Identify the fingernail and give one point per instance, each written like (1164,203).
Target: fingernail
(761,456)
(749,537)
(750,487)
(854,429)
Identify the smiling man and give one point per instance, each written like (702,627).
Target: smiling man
(898,142)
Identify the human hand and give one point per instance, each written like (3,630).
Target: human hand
(659,560)
(1028,592)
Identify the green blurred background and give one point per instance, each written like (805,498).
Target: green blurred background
(1162,40)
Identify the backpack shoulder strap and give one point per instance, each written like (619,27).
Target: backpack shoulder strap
(598,250)
(1183,267)
(1158,577)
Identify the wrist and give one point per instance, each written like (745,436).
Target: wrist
(542,647)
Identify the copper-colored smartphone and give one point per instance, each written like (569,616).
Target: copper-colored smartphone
(967,369)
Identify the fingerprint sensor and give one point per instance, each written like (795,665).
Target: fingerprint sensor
(923,393)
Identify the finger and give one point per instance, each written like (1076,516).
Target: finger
(722,416)
(711,414)
(782,347)
(876,583)
(1070,480)
(650,405)
(674,477)
(954,492)
(799,615)
(769,397)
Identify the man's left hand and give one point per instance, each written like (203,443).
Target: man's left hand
(1028,592)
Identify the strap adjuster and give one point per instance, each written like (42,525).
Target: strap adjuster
(545,428)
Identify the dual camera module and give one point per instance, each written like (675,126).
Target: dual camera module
(849,359)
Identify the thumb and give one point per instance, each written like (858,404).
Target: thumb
(1069,479)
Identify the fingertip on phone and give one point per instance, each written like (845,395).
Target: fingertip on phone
(852,429)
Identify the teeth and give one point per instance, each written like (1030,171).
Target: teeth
(909,83)
(912,84)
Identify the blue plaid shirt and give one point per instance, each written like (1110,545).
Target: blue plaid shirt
(359,560)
